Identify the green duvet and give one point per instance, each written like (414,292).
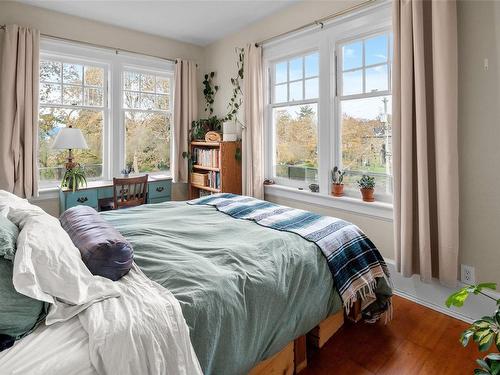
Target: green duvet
(245,290)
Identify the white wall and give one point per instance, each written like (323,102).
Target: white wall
(479,129)
(479,136)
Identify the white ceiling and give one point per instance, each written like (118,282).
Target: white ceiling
(200,22)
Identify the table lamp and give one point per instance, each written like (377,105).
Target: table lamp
(70,139)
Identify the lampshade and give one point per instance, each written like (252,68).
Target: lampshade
(69,138)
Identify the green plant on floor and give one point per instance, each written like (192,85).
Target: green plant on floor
(74,178)
(485,332)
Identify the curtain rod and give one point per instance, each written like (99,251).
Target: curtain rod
(319,22)
(2,27)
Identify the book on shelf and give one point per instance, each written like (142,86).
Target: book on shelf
(214,179)
(215,168)
(206,157)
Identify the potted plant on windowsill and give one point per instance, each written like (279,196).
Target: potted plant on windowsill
(367,187)
(337,182)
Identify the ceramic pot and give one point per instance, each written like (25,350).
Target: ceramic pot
(337,190)
(367,194)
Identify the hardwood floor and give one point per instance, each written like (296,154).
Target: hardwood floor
(418,341)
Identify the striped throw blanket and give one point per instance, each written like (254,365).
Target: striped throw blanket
(358,269)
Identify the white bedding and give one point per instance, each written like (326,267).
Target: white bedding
(58,349)
(133,326)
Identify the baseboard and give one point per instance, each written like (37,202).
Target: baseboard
(433,295)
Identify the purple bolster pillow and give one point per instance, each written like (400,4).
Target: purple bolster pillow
(104,250)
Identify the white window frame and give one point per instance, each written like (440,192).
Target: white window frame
(371,20)
(60,56)
(115,63)
(146,70)
(337,157)
(288,103)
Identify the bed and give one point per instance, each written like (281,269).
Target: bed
(246,291)
(235,280)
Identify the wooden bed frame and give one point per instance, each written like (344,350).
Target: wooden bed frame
(293,358)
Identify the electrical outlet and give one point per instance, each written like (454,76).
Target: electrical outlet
(467,274)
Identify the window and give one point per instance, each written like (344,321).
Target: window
(295,118)
(363,79)
(329,104)
(71,94)
(122,103)
(146,107)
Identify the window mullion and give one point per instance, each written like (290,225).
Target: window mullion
(324,117)
(117,140)
(303,77)
(364,66)
(288,81)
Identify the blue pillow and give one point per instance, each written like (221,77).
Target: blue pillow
(104,250)
(19,314)
(8,238)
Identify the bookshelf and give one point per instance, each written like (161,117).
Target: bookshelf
(214,169)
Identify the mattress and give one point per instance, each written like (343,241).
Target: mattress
(245,290)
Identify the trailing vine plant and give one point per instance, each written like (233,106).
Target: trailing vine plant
(235,101)
(201,126)
(209,92)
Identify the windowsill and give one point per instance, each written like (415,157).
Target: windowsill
(377,210)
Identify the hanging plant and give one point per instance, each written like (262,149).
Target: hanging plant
(209,92)
(235,101)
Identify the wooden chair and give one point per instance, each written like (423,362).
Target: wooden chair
(129,192)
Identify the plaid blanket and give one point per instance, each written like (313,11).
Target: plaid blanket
(358,269)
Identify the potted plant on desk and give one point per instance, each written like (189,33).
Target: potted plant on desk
(74,178)
(337,182)
(367,187)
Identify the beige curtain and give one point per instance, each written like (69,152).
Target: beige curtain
(185,112)
(19,110)
(252,135)
(425,96)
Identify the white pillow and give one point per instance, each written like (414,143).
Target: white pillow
(47,265)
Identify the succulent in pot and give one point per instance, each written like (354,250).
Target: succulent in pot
(127,170)
(367,187)
(337,182)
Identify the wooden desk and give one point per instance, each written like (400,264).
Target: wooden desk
(98,194)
